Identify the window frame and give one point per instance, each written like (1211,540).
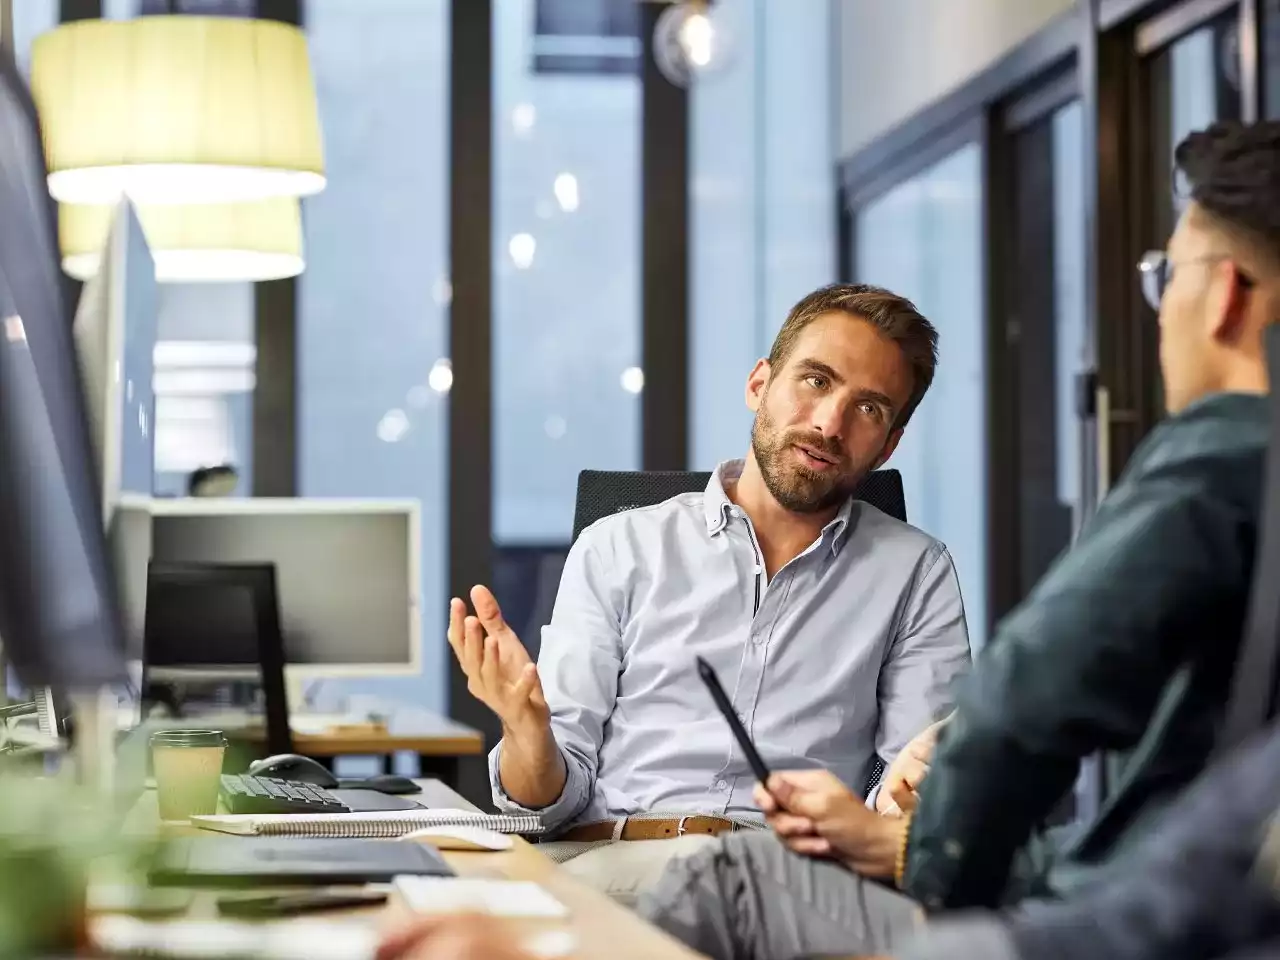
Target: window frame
(1128,389)
(1032,80)
(858,189)
(1032,104)
(1102,44)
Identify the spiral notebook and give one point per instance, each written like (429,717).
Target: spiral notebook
(395,823)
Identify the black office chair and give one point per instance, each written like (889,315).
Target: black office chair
(602,493)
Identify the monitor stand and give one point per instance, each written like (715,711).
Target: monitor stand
(295,691)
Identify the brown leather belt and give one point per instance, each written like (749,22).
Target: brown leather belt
(654,829)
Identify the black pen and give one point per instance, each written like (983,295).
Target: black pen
(735,725)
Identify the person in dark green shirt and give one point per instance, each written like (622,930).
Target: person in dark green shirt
(1126,646)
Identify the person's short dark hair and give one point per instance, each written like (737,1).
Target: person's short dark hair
(894,316)
(217,481)
(1231,170)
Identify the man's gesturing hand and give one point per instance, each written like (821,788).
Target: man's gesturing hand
(499,672)
(817,815)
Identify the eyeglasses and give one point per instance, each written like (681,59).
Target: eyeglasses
(1155,270)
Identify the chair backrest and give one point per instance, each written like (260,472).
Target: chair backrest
(1253,690)
(602,493)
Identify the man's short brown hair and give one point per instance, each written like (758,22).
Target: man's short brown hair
(894,316)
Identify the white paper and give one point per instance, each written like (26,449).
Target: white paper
(292,939)
(499,898)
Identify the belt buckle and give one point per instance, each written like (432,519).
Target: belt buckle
(680,827)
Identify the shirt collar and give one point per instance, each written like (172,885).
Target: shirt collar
(715,501)
(717,506)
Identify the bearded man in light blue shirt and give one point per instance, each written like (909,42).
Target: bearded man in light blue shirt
(836,629)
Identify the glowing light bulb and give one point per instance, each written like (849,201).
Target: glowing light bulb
(690,41)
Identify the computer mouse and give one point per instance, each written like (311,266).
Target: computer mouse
(388,783)
(290,766)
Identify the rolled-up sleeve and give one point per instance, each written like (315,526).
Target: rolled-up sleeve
(930,651)
(578,664)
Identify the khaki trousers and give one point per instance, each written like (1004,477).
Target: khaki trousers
(624,869)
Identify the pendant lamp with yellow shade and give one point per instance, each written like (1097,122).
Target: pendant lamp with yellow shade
(177,109)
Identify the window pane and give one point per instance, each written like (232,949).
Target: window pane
(204,381)
(566,274)
(1194,81)
(1069,292)
(923,239)
(1041,339)
(762,234)
(30,19)
(372,313)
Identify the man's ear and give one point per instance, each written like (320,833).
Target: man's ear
(757,383)
(1228,313)
(890,445)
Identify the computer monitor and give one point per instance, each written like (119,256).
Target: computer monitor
(115,336)
(347,573)
(59,618)
(115,332)
(204,616)
(211,620)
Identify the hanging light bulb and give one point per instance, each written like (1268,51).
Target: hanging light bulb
(690,41)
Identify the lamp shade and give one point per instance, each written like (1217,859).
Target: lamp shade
(255,240)
(177,109)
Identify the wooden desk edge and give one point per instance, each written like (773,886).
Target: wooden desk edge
(452,741)
(452,745)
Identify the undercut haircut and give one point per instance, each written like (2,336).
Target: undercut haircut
(1231,170)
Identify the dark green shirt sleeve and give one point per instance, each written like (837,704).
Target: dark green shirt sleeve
(1079,667)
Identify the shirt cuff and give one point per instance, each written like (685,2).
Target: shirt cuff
(976,937)
(557,813)
(873,795)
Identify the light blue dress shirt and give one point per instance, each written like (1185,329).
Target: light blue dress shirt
(847,652)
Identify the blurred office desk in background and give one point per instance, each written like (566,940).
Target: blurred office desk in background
(600,928)
(439,743)
(381,728)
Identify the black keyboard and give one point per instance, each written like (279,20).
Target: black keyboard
(245,794)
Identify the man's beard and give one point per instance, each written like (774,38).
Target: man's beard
(794,486)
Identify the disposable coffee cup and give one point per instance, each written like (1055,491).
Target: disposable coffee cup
(188,770)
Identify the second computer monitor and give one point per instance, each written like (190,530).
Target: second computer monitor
(115,331)
(115,337)
(347,573)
